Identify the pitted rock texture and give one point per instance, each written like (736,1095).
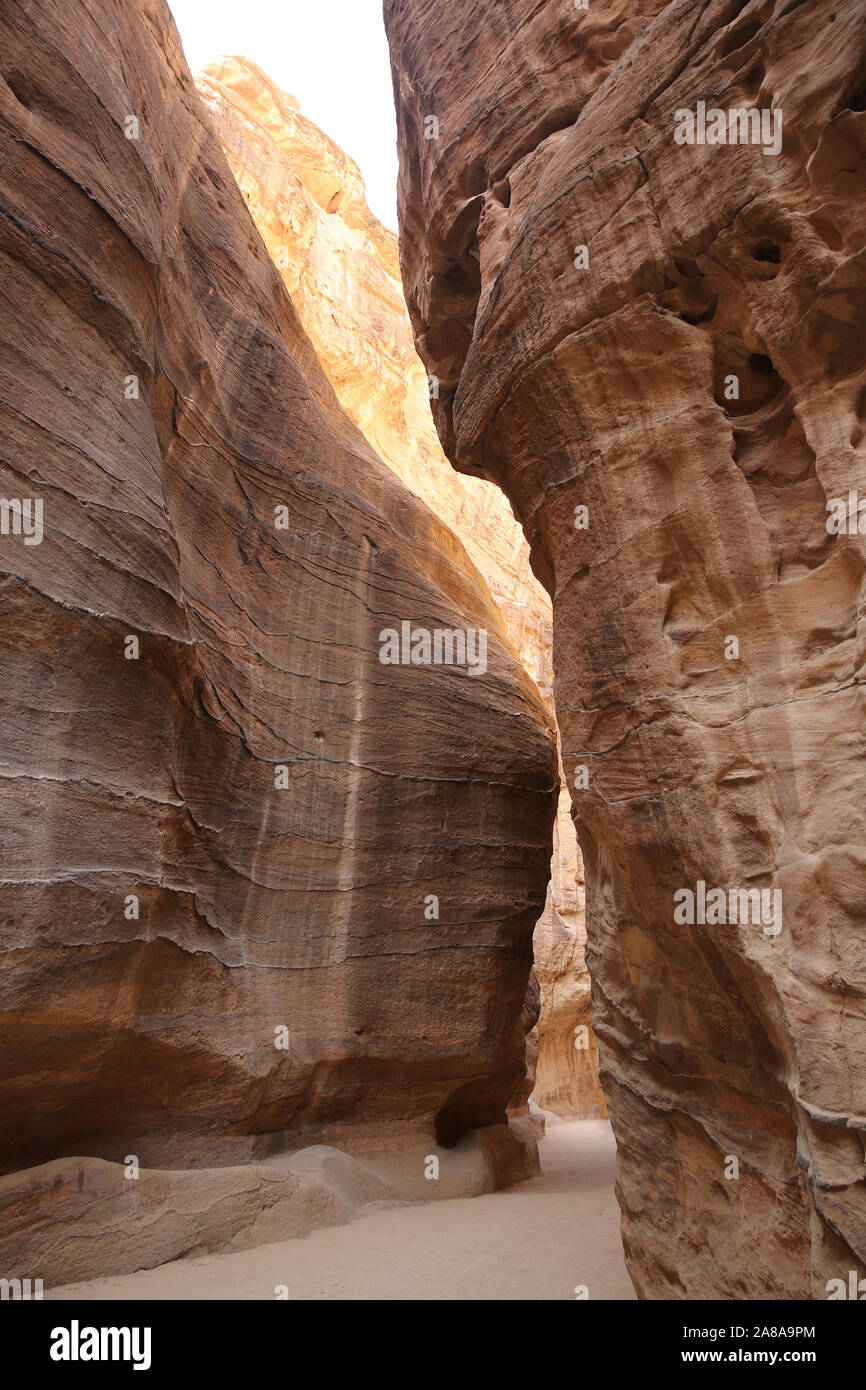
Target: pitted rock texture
(281,982)
(604,387)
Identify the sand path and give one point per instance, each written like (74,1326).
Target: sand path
(537,1240)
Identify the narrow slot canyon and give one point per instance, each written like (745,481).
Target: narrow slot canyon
(432,805)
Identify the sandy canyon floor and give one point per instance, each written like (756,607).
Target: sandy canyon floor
(539,1240)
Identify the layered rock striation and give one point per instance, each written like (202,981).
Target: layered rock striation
(260,889)
(340,266)
(652,342)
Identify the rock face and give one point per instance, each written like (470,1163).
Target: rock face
(79,1219)
(340,266)
(668,334)
(226,823)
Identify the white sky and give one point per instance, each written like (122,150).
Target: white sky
(331,54)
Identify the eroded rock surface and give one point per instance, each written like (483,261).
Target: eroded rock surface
(585,288)
(340,266)
(224,821)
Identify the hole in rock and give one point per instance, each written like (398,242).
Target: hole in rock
(766,250)
(744,381)
(693,299)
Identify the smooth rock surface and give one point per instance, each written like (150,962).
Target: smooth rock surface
(599,380)
(341,268)
(534,1242)
(82,1218)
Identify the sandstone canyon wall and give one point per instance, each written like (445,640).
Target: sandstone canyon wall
(224,821)
(340,266)
(669,335)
